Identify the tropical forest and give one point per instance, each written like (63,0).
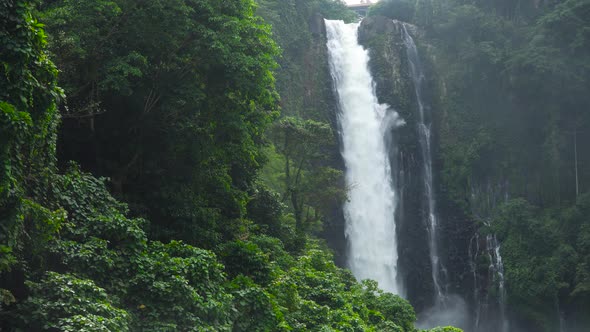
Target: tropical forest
(295,165)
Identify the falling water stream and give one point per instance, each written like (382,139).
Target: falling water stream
(497,268)
(424,136)
(364,122)
(490,311)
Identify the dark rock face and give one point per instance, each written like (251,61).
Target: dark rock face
(317,26)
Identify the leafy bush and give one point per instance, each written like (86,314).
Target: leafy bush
(66,303)
(246,258)
(177,287)
(392,307)
(444,329)
(317,295)
(254,308)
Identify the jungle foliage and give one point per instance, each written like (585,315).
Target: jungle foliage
(166,106)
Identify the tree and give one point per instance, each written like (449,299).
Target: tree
(171,106)
(310,187)
(28,120)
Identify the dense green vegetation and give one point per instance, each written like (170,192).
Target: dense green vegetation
(172,165)
(168,95)
(509,84)
(307,170)
(152,215)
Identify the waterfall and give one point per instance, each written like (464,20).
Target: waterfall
(473,256)
(495,277)
(369,212)
(424,130)
(490,311)
(497,270)
(561,320)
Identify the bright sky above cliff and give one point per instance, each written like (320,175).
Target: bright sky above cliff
(350,2)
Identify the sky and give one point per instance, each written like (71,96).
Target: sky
(350,2)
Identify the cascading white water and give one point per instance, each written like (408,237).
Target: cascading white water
(425,145)
(500,269)
(497,269)
(496,276)
(370,210)
(490,312)
(473,257)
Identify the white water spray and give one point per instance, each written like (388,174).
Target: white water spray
(370,211)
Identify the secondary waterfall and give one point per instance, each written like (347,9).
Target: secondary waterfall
(497,270)
(500,272)
(370,210)
(495,276)
(489,283)
(424,125)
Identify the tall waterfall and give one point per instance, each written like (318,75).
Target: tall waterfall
(424,131)
(370,210)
